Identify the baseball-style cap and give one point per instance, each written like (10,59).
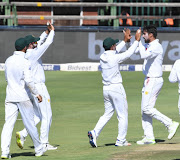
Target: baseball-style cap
(31,38)
(20,44)
(108,42)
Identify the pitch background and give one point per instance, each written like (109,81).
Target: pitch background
(77,104)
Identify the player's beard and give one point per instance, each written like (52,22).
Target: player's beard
(146,40)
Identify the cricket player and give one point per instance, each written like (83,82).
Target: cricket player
(113,90)
(152,53)
(42,110)
(18,74)
(175,77)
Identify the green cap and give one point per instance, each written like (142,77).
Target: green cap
(31,38)
(108,42)
(20,44)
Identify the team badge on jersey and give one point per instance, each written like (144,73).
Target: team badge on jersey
(146,92)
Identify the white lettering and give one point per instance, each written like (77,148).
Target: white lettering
(48,67)
(164,45)
(92,43)
(174,53)
(79,68)
(124,67)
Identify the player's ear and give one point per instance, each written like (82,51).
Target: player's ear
(150,35)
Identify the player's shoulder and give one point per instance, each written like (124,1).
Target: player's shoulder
(158,43)
(10,59)
(177,62)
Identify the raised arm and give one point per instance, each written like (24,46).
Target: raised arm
(125,55)
(120,46)
(127,37)
(42,37)
(34,54)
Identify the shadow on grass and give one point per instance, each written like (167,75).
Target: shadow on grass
(56,145)
(27,154)
(159,140)
(110,144)
(23,154)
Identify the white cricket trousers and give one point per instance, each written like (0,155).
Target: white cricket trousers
(114,99)
(150,92)
(43,113)
(11,113)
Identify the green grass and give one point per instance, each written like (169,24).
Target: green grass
(77,104)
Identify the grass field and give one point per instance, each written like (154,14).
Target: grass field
(77,104)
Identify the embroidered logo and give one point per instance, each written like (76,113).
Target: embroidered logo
(146,92)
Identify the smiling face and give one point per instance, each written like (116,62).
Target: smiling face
(149,33)
(146,36)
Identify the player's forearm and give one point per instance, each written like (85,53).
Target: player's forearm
(129,52)
(42,37)
(50,37)
(32,88)
(120,46)
(30,83)
(39,51)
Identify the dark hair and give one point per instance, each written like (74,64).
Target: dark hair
(151,29)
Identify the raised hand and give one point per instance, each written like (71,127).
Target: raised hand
(138,34)
(127,34)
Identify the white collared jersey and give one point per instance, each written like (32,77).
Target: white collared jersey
(17,74)
(175,73)
(110,64)
(34,56)
(152,54)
